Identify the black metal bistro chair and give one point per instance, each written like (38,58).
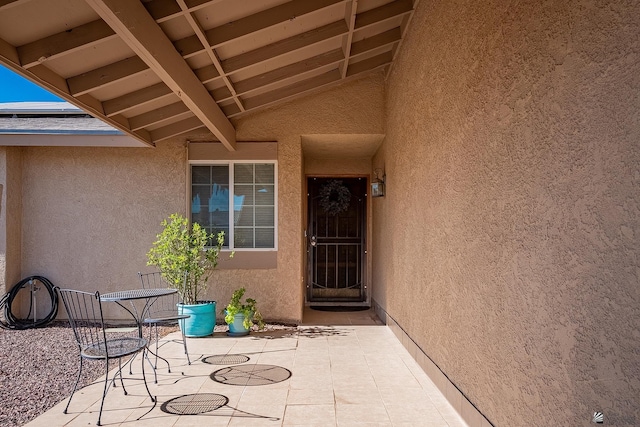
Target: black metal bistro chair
(163,312)
(84,310)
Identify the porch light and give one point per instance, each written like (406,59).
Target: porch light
(377,184)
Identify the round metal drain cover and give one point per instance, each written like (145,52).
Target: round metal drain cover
(226,359)
(194,404)
(251,375)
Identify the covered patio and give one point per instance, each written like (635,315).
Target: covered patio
(336,369)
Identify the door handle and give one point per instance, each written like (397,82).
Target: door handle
(314,241)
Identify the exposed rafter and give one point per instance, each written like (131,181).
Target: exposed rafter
(131,21)
(64,43)
(100,77)
(282,47)
(135,99)
(350,17)
(156,69)
(200,33)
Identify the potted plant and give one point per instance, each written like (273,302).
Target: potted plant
(241,316)
(181,254)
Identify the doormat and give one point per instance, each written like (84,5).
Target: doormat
(338,308)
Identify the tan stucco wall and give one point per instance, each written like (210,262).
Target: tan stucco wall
(91,214)
(10,214)
(511,225)
(337,166)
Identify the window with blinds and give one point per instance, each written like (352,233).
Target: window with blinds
(238,198)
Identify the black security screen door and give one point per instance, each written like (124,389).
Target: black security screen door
(336,240)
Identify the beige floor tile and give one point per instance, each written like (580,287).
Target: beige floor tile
(257,395)
(309,415)
(418,415)
(311,395)
(155,419)
(310,382)
(342,375)
(404,396)
(209,419)
(257,415)
(351,414)
(357,395)
(343,381)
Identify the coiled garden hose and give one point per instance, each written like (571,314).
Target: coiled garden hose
(11,322)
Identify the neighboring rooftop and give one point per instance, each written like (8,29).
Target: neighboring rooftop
(39,108)
(50,118)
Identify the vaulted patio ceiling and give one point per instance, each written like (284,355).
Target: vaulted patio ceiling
(159,68)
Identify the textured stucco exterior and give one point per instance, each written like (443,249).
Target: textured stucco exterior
(10,214)
(91,214)
(508,245)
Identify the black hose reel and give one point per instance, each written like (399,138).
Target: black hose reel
(32,285)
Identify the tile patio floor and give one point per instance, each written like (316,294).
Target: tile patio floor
(346,369)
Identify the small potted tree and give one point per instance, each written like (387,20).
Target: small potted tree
(241,316)
(181,254)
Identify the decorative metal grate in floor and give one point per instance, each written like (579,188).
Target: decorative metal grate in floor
(205,403)
(249,375)
(226,359)
(194,404)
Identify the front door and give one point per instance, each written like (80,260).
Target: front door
(336,233)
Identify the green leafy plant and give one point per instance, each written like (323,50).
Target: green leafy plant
(181,255)
(248,308)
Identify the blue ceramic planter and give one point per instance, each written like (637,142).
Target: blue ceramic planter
(202,320)
(237,329)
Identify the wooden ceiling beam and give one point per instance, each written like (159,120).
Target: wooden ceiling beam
(289,71)
(287,45)
(403,27)
(383,13)
(148,94)
(139,97)
(164,10)
(65,42)
(222,94)
(158,115)
(294,89)
(207,74)
(192,45)
(265,19)
(189,47)
(370,63)
(230,109)
(103,76)
(350,17)
(131,21)
(177,128)
(200,33)
(383,39)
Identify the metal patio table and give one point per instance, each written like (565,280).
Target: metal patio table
(149,295)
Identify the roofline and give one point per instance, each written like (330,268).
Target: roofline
(43,108)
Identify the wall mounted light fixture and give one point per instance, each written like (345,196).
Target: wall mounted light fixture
(377,184)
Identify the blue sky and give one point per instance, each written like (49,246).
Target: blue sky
(15,88)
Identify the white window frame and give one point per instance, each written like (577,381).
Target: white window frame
(231,164)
